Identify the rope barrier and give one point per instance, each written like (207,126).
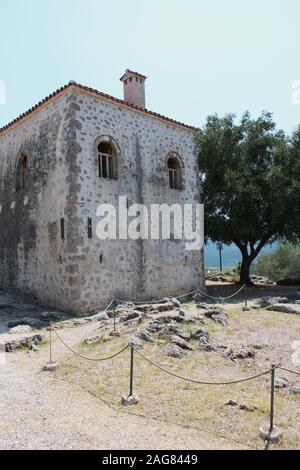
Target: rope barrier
(197,381)
(288,370)
(89,358)
(182,296)
(222,298)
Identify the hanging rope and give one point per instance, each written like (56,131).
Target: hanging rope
(89,358)
(198,381)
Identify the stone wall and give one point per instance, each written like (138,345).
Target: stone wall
(81,274)
(32,253)
(131,269)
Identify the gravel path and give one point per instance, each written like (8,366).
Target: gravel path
(37,411)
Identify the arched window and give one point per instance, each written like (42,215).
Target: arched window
(21,173)
(107,159)
(174,173)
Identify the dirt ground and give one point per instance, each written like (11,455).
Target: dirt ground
(79,405)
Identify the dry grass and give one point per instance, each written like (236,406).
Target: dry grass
(163,397)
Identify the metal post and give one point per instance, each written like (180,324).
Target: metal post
(131,371)
(272,398)
(221,267)
(246,297)
(50,344)
(114,318)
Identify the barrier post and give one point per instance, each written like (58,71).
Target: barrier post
(272,401)
(114,318)
(271,433)
(50,344)
(246,308)
(131,399)
(131,371)
(50,366)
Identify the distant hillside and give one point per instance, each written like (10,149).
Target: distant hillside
(230,255)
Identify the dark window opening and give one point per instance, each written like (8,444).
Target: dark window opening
(106,160)
(90,233)
(62,228)
(21,173)
(174,173)
(101,259)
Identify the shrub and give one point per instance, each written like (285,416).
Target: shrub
(282,263)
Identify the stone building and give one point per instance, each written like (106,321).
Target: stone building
(59,161)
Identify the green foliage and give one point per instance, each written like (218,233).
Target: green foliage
(283,263)
(251,183)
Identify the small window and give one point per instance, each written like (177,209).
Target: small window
(106,159)
(90,231)
(21,173)
(174,173)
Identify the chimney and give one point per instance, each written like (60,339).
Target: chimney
(134,88)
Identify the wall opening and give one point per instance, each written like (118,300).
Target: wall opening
(62,228)
(21,173)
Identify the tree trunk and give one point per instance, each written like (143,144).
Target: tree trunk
(248,257)
(245,271)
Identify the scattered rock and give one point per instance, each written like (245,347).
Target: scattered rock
(50,367)
(175,351)
(154,327)
(228,353)
(52,315)
(130,316)
(184,335)
(231,403)
(92,340)
(285,308)
(197,332)
(246,309)
(144,335)
(175,302)
(181,313)
(295,390)
(115,334)
(245,352)
(25,342)
(204,306)
(218,315)
(33,322)
(20,330)
(259,346)
(181,343)
(281,382)
(129,400)
(169,330)
(172,318)
(136,343)
(250,409)
(204,345)
(102,316)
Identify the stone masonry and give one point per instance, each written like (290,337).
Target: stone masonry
(59,138)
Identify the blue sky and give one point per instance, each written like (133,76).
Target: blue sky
(201,56)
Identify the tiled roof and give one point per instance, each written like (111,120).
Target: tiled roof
(98,93)
(131,72)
